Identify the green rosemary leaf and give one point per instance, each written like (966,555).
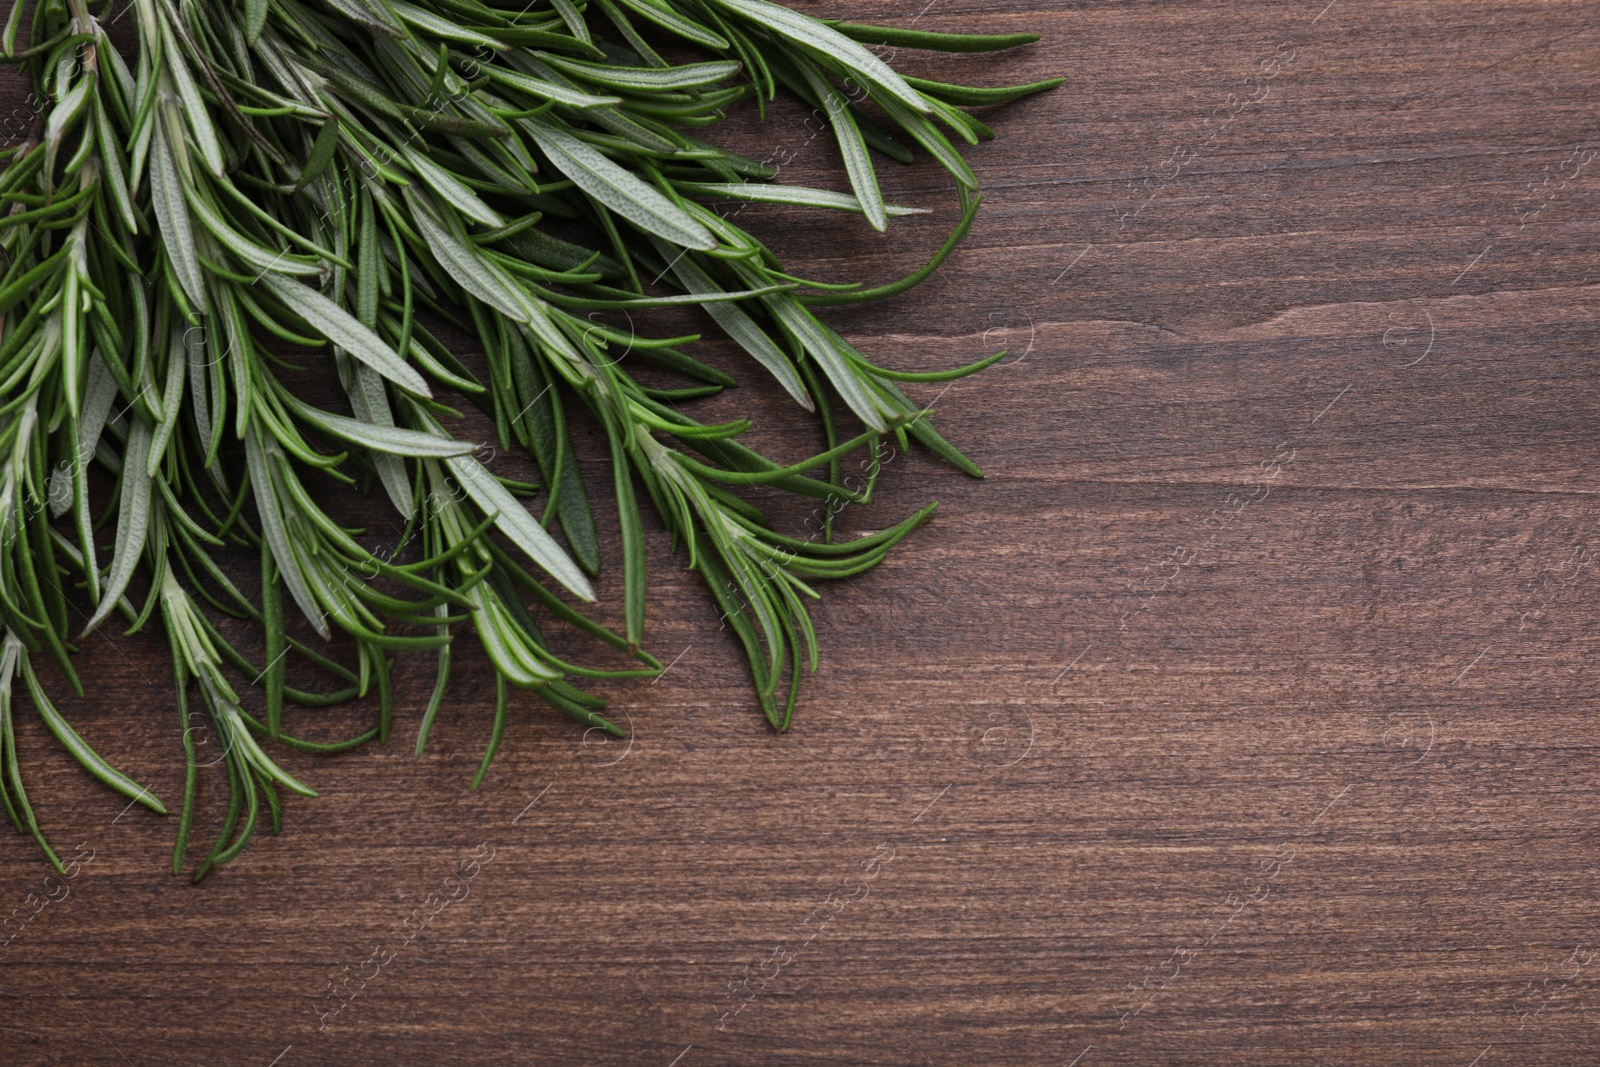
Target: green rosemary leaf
(798,195)
(972,96)
(575,22)
(272,624)
(275,531)
(823,345)
(472,271)
(8,749)
(453,190)
(938,42)
(826,41)
(969,211)
(133,522)
(852,148)
(735,456)
(927,135)
(633,548)
(571,500)
(741,327)
(513,520)
(61,119)
(255,20)
(618,190)
(340,327)
(632,79)
(390,438)
(532,38)
(322,152)
(550,90)
(172,216)
(195,112)
(371,406)
(363,14)
(171,404)
(256,256)
(668,19)
(444,28)
(115,176)
(923,430)
(80,749)
(541,248)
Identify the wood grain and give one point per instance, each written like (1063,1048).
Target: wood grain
(1245,713)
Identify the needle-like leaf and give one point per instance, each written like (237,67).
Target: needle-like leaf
(342,328)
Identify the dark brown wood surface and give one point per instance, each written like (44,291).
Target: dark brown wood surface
(1246,713)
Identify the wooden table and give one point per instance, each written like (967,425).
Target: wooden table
(1244,714)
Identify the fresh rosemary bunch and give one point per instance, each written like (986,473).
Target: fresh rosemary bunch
(354,182)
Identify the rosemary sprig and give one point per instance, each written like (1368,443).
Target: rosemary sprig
(347,179)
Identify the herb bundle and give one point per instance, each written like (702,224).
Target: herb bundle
(352,182)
